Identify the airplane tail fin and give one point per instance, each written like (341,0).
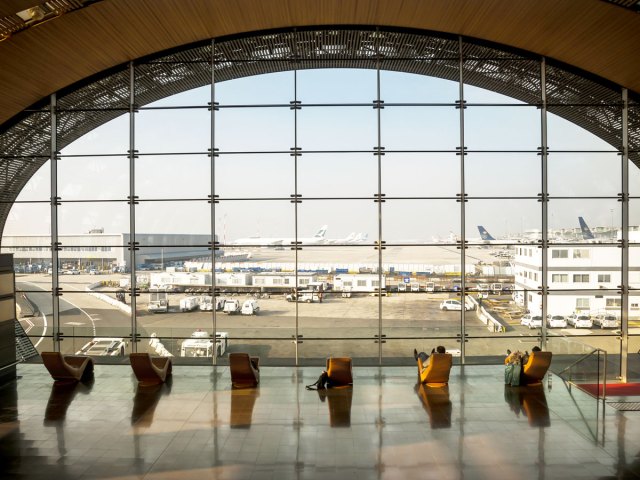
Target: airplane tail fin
(586,231)
(322,232)
(484,234)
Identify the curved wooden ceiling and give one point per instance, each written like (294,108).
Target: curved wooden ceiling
(594,36)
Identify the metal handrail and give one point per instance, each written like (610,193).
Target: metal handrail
(9,365)
(586,355)
(583,358)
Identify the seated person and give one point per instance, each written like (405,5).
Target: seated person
(518,357)
(424,358)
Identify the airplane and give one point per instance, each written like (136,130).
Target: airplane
(484,235)
(587,234)
(350,239)
(487,238)
(318,238)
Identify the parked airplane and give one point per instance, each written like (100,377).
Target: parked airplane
(350,239)
(318,238)
(587,234)
(484,235)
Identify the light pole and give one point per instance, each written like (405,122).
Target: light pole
(611,232)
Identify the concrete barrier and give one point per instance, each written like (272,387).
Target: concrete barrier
(107,299)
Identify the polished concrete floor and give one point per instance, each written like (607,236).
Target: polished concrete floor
(384,427)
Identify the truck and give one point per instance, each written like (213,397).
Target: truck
(201,344)
(158,300)
(104,347)
(430,286)
(303,296)
(250,307)
(189,304)
(232,307)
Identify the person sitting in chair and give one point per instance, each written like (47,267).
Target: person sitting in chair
(424,357)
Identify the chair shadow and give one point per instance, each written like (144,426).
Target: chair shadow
(529,401)
(60,398)
(242,402)
(437,404)
(339,401)
(146,400)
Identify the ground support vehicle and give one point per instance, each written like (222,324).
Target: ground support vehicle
(232,307)
(201,344)
(104,347)
(158,300)
(250,307)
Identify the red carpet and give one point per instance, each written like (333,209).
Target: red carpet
(613,389)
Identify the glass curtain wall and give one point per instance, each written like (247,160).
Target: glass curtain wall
(322,210)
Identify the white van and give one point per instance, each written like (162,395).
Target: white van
(232,306)
(250,307)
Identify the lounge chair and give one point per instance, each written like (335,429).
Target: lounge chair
(245,370)
(69,368)
(436,373)
(339,371)
(536,367)
(150,370)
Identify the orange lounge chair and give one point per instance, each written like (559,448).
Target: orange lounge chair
(72,368)
(339,371)
(536,367)
(150,370)
(245,370)
(436,373)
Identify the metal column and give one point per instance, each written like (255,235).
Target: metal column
(133,245)
(54,156)
(462,199)
(544,199)
(624,280)
(213,200)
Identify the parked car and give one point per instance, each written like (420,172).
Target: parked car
(606,321)
(525,320)
(556,321)
(580,321)
(453,305)
(535,322)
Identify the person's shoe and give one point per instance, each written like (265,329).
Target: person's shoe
(508,352)
(415,354)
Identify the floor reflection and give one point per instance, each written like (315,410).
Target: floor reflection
(199,427)
(529,401)
(243,401)
(339,401)
(145,402)
(60,398)
(436,402)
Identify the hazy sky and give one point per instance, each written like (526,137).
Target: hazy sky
(265,177)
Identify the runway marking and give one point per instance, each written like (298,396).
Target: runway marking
(93,325)
(28,322)
(44,331)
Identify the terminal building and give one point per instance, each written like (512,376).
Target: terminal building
(582,279)
(101,251)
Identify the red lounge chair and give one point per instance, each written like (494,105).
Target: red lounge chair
(71,368)
(150,370)
(245,370)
